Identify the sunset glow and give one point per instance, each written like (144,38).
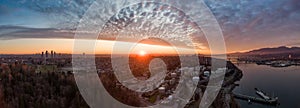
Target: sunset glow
(142,53)
(33,46)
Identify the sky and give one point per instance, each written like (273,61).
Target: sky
(29,26)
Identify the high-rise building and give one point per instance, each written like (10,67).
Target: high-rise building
(52,54)
(42,54)
(47,53)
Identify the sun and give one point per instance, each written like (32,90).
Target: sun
(142,53)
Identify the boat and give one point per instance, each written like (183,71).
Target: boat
(281,65)
(263,95)
(268,63)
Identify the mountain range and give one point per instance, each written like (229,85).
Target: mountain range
(282,50)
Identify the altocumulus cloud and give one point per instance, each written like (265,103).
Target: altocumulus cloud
(15,32)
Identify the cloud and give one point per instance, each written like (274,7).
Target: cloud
(241,20)
(63,13)
(16,32)
(231,14)
(254,14)
(4,10)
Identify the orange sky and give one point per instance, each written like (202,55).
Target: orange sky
(37,45)
(31,46)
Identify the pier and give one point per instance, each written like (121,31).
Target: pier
(272,101)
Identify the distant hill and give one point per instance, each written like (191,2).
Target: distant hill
(282,50)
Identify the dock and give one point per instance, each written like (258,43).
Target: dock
(272,101)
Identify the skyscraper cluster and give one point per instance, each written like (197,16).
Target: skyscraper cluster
(46,54)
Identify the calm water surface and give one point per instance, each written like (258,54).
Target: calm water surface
(282,82)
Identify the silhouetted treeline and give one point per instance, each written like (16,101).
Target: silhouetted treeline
(24,88)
